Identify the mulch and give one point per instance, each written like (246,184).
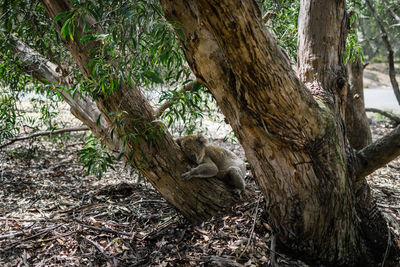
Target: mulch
(53,214)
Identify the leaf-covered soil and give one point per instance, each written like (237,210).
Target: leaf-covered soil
(53,214)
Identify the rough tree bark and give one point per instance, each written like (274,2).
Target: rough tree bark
(149,147)
(293,137)
(291,128)
(357,125)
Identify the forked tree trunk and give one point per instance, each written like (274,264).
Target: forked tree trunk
(357,125)
(149,148)
(291,129)
(294,138)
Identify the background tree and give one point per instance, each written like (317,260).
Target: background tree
(290,126)
(357,125)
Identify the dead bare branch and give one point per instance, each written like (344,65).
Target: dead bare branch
(103,229)
(45,133)
(392,117)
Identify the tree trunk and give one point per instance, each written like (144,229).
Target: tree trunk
(357,125)
(294,138)
(390,53)
(149,148)
(291,129)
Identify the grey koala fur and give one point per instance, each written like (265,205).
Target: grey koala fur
(212,161)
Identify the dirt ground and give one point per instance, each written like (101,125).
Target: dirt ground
(53,214)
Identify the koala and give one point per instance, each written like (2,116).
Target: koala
(212,161)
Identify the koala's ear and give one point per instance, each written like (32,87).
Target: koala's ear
(179,142)
(202,139)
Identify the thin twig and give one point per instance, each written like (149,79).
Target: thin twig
(12,245)
(392,117)
(387,206)
(44,133)
(167,104)
(252,227)
(160,228)
(97,246)
(103,229)
(387,247)
(272,249)
(14,219)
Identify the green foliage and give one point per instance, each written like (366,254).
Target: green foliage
(380,117)
(283,16)
(8,117)
(369,33)
(139,48)
(95,157)
(353,50)
(187,109)
(140,42)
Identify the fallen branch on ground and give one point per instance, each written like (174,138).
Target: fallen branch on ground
(15,243)
(388,206)
(45,133)
(392,117)
(252,228)
(106,230)
(97,246)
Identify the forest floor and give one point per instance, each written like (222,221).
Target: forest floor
(53,214)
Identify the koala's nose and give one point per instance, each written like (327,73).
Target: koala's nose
(193,158)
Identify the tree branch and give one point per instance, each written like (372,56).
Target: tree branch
(391,11)
(81,106)
(377,154)
(167,104)
(60,131)
(392,117)
(390,57)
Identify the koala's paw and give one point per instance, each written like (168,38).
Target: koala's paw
(185,176)
(237,192)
